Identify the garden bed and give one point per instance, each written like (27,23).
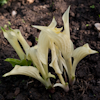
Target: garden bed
(83,16)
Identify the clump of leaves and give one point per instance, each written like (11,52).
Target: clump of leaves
(64,58)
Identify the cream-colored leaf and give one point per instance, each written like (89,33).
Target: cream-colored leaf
(51,75)
(12,39)
(28,71)
(23,42)
(65,19)
(53,23)
(43,43)
(54,62)
(65,87)
(61,60)
(24,70)
(35,58)
(43,46)
(79,53)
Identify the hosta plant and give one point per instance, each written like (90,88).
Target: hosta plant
(62,52)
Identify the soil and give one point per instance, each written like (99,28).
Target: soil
(41,12)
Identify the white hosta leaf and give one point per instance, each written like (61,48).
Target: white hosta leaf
(61,60)
(79,53)
(54,62)
(24,70)
(60,64)
(43,43)
(53,23)
(63,63)
(43,46)
(55,66)
(10,35)
(23,42)
(35,58)
(51,75)
(65,19)
(28,71)
(65,87)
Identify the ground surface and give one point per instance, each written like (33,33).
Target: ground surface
(41,12)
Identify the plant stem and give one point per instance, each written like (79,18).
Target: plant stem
(61,79)
(46,82)
(69,67)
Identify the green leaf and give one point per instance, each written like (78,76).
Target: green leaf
(92,6)
(14,62)
(25,62)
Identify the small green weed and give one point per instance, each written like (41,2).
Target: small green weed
(87,24)
(93,6)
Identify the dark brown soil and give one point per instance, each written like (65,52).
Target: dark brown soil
(41,12)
